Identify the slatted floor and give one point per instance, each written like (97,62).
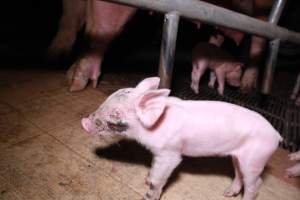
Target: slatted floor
(46,155)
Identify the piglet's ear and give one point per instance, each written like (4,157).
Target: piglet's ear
(150,106)
(151,83)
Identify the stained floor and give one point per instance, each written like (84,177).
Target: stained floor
(45,154)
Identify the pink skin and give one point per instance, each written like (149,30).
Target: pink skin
(294,95)
(222,64)
(249,79)
(101,28)
(216,40)
(258,45)
(294,171)
(71,22)
(257,49)
(241,6)
(170,127)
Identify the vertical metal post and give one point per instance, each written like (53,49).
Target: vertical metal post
(167,50)
(273,49)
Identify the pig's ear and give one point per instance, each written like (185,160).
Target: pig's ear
(148,84)
(150,106)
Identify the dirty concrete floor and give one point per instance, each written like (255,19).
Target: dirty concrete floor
(45,154)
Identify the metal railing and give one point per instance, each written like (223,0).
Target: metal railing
(211,14)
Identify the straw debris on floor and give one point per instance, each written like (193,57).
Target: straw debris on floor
(45,154)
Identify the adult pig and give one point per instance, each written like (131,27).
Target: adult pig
(223,65)
(170,127)
(70,23)
(102,28)
(88,66)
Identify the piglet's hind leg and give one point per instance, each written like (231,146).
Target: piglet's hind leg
(212,80)
(252,163)
(199,68)
(237,183)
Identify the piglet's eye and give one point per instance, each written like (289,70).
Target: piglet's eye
(117,127)
(98,122)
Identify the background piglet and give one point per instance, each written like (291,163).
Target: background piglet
(294,170)
(170,127)
(294,95)
(222,64)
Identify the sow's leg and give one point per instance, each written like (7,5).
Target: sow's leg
(249,79)
(71,21)
(103,23)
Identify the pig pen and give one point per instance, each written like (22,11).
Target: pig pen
(45,154)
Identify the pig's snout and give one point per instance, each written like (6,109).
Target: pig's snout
(86,124)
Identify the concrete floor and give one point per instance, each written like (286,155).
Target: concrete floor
(45,154)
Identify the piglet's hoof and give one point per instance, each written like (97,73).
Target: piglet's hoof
(233,190)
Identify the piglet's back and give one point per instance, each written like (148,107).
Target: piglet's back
(225,116)
(211,52)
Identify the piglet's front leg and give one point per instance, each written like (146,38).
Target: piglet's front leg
(162,167)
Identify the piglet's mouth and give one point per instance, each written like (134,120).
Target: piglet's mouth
(117,127)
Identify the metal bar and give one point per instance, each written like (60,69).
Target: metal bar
(276,11)
(271,61)
(167,51)
(273,49)
(211,14)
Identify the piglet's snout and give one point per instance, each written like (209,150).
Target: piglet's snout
(86,124)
